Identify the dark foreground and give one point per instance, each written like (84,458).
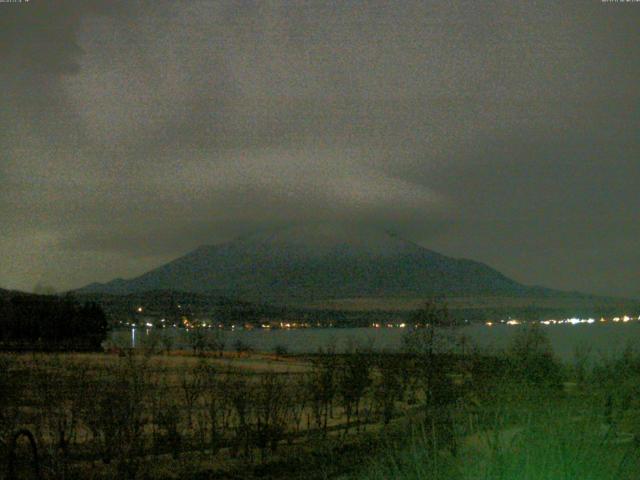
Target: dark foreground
(505,415)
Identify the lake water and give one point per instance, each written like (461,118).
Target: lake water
(603,339)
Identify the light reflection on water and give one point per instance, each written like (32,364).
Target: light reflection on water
(604,339)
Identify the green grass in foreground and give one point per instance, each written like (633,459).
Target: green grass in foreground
(554,443)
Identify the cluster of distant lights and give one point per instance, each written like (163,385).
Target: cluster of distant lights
(288,325)
(190,324)
(268,326)
(389,325)
(566,321)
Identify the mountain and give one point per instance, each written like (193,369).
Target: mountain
(311,263)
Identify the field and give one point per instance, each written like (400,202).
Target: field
(360,415)
(121,416)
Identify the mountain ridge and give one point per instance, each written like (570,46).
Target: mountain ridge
(320,261)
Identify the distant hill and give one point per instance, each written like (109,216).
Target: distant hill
(314,263)
(9,294)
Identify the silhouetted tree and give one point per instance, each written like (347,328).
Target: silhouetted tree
(39,322)
(531,357)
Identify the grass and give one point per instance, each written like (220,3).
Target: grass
(560,439)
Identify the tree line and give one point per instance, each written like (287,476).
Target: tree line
(48,322)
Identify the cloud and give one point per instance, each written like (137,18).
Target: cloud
(135,131)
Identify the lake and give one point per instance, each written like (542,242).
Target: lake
(604,339)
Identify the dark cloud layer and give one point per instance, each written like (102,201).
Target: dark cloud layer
(132,132)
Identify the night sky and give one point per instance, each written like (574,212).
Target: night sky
(506,132)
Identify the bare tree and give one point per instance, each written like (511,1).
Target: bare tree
(191,388)
(167,339)
(429,341)
(197,338)
(115,417)
(388,386)
(272,407)
(353,379)
(321,384)
(240,395)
